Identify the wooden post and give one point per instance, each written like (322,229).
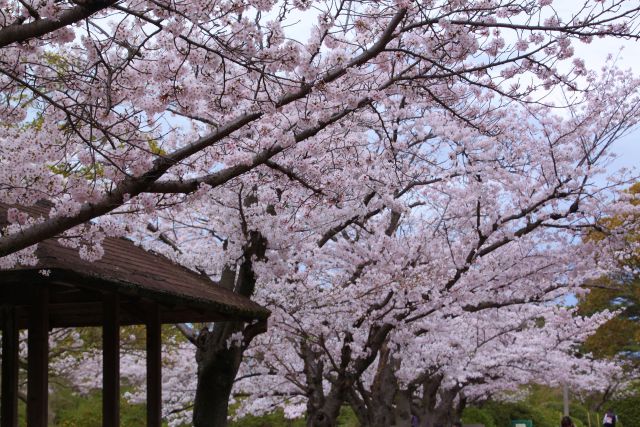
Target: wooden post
(111,361)
(10,346)
(38,363)
(154,368)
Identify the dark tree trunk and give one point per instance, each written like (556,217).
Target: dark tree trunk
(325,415)
(403,414)
(323,409)
(387,404)
(376,408)
(218,359)
(384,389)
(217,369)
(438,407)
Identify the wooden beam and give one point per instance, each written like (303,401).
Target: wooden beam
(38,363)
(154,367)
(111,361)
(66,315)
(10,347)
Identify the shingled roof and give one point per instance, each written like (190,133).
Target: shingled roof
(131,271)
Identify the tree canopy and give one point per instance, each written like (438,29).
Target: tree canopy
(404,183)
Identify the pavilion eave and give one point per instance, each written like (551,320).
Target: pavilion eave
(77,300)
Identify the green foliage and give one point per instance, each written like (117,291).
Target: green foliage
(274,419)
(474,415)
(542,415)
(155,148)
(620,336)
(56,61)
(544,407)
(548,402)
(86,411)
(88,172)
(628,411)
(347,418)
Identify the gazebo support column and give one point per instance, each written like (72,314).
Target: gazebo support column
(111,361)
(154,368)
(38,363)
(9,402)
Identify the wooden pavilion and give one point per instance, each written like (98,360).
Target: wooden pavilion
(127,286)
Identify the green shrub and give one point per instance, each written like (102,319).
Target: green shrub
(347,418)
(274,419)
(628,410)
(499,412)
(503,413)
(473,415)
(86,411)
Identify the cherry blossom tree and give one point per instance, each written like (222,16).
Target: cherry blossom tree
(466,359)
(475,360)
(354,337)
(89,88)
(402,163)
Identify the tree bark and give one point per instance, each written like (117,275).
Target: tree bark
(322,410)
(377,407)
(403,414)
(325,414)
(438,407)
(217,369)
(218,358)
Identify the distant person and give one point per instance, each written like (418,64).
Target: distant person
(566,422)
(609,419)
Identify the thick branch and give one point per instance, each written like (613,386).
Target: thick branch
(23,32)
(133,186)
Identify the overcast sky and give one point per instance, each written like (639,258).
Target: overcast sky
(628,56)
(627,52)
(628,148)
